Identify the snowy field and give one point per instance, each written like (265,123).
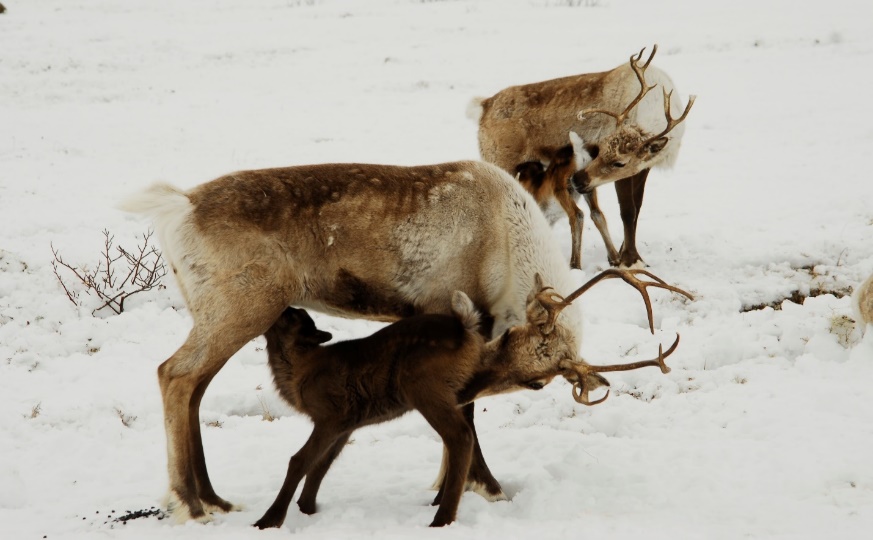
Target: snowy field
(763,429)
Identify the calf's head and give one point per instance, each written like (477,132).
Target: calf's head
(296,328)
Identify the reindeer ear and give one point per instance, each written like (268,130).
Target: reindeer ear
(321,336)
(582,156)
(465,310)
(655,146)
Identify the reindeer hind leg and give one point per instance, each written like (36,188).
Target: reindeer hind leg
(183,380)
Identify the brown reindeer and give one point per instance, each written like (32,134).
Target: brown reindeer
(533,123)
(375,241)
(431,363)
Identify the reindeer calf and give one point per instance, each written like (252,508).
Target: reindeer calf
(428,363)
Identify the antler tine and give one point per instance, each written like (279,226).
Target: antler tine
(628,277)
(580,393)
(640,72)
(553,303)
(671,122)
(655,362)
(649,61)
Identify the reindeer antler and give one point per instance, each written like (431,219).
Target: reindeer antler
(644,88)
(584,371)
(553,303)
(671,122)
(628,276)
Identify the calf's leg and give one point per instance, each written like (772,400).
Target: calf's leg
(321,440)
(306,502)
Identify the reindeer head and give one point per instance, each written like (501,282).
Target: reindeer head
(533,354)
(629,149)
(296,328)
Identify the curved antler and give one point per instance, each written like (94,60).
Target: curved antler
(644,88)
(671,122)
(628,276)
(585,371)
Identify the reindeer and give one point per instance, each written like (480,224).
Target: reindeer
(374,241)
(431,363)
(524,129)
(862,304)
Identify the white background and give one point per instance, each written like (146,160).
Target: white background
(763,429)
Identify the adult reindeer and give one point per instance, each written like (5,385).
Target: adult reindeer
(526,129)
(374,241)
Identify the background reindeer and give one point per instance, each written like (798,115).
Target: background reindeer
(532,123)
(431,363)
(862,304)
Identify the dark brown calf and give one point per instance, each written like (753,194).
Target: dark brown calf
(351,384)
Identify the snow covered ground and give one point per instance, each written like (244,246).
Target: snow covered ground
(763,429)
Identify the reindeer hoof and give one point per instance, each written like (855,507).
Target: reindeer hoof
(306,507)
(219,505)
(181,512)
(267,522)
(440,522)
(489,493)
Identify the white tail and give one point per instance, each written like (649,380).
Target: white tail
(474,109)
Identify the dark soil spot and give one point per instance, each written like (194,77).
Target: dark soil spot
(797,297)
(144,513)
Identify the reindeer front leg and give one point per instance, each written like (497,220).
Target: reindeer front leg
(630,193)
(600,222)
(577,221)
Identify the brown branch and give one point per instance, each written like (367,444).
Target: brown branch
(145,269)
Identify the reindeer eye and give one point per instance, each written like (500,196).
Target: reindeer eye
(618,164)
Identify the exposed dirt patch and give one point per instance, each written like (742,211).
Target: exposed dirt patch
(797,297)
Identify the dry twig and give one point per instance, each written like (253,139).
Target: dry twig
(144,271)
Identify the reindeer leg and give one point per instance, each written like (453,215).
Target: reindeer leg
(306,502)
(211,501)
(479,478)
(184,377)
(600,221)
(630,199)
(577,220)
(323,437)
(458,439)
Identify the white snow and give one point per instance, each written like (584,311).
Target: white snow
(764,427)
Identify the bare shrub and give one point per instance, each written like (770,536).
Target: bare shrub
(118,275)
